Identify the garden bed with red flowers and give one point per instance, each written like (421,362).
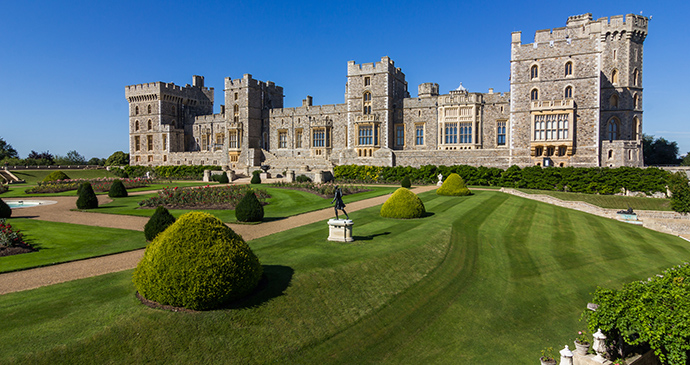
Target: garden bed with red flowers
(12,241)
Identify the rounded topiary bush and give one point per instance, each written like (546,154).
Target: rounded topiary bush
(197,263)
(406,183)
(117,189)
(87,198)
(249,209)
(302,179)
(223,178)
(5,210)
(159,221)
(55,176)
(403,204)
(454,185)
(256,179)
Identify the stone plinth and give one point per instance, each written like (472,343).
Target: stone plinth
(340,230)
(265,175)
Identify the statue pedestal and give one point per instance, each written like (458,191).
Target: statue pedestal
(340,230)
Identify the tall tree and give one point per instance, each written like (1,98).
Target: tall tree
(6,150)
(659,151)
(686,160)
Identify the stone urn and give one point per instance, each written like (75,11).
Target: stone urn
(547,361)
(582,348)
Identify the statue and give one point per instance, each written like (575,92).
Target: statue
(440,180)
(338,200)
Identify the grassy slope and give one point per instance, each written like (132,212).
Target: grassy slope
(505,277)
(608,201)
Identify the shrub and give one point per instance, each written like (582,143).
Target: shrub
(159,221)
(302,179)
(5,210)
(405,183)
(223,178)
(249,209)
(680,193)
(403,204)
(117,189)
(453,185)
(55,176)
(197,263)
(256,179)
(87,198)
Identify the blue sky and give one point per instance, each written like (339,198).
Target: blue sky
(64,64)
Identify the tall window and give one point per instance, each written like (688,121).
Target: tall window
(149,142)
(367,81)
(501,133)
(613,128)
(613,101)
(419,134)
(636,77)
(282,139)
(136,125)
(451,133)
(568,68)
(534,72)
(136,110)
(233,141)
(636,101)
(614,77)
(635,128)
(137,143)
(568,92)
(399,135)
(174,110)
(236,113)
(220,140)
(465,132)
(365,135)
(149,109)
(165,142)
(237,96)
(366,103)
(298,138)
(534,94)
(149,124)
(551,127)
(320,137)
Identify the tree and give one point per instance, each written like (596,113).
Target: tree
(659,151)
(95,161)
(118,158)
(73,158)
(686,160)
(680,192)
(44,156)
(6,150)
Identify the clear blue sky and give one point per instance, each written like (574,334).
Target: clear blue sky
(64,64)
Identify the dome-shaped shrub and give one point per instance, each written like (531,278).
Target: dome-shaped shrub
(256,179)
(197,263)
(302,179)
(55,176)
(403,204)
(5,210)
(249,209)
(223,178)
(454,185)
(159,221)
(87,198)
(117,189)
(406,183)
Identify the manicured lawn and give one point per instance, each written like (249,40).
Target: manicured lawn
(63,242)
(17,190)
(485,279)
(608,201)
(283,203)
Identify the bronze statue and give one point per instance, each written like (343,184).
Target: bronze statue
(338,200)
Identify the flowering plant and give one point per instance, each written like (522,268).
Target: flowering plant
(582,338)
(202,197)
(8,237)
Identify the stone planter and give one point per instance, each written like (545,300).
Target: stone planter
(582,349)
(547,362)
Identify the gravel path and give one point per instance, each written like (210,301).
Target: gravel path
(60,212)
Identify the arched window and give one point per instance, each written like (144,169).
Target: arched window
(614,77)
(136,125)
(635,129)
(136,110)
(534,94)
(568,94)
(149,109)
(613,101)
(534,72)
(636,77)
(613,128)
(149,124)
(568,68)
(636,101)
(366,103)
(236,113)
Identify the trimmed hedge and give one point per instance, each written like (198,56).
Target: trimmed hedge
(87,198)
(249,209)
(5,210)
(406,183)
(454,185)
(117,189)
(159,221)
(256,179)
(302,179)
(403,204)
(178,172)
(55,176)
(197,263)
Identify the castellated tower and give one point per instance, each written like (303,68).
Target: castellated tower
(374,98)
(576,93)
(161,117)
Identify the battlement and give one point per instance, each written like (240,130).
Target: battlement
(210,118)
(385,66)
(168,88)
(582,26)
(308,110)
(248,81)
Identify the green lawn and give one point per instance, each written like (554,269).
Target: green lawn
(63,242)
(608,201)
(490,278)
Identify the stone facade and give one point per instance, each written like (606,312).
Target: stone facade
(575,100)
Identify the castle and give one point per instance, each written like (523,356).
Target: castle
(575,100)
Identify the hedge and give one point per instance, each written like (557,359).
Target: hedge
(180,172)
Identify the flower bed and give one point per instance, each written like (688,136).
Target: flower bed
(325,190)
(11,241)
(203,197)
(99,185)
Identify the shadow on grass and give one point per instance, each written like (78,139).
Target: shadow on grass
(369,237)
(24,216)
(275,280)
(428,214)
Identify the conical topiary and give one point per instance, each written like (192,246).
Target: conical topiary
(454,186)
(55,176)
(87,198)
(403,204)
(406,183)
(223,179)
(256,179)
(197,263)
(159,221)
(5,210)
(249,209)
(117,189)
